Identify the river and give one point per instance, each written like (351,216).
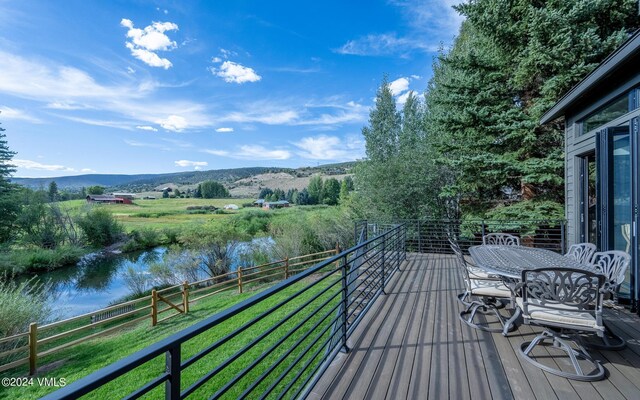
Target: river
(98,280)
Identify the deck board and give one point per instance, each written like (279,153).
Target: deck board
(412,345)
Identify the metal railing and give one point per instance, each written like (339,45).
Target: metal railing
(275,344)
(430,236)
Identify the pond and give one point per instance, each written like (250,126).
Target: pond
(98,280)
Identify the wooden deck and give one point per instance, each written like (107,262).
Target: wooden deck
(412,345)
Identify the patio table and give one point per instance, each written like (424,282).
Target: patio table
(508,262)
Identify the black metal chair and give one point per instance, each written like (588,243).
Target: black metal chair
(481,295)
(504,239)
(581,252)
(613,265)
(565,302)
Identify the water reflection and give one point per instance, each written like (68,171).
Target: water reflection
(99,279)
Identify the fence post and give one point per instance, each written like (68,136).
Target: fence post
(185,297)
(172,367)
(419,237)
(345,304)
(154,307)
(239,279)
(484,230)
(286,267)
(562,233)
(384,250)
(33,348)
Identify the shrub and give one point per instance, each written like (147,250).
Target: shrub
(99,227)
(22,304)
(143,239)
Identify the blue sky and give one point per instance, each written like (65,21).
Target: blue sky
(166,86)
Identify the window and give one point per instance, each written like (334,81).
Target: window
(612,110)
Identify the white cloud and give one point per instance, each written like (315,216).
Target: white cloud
(28,164)
(131,70)
(403,98)
(187,163)
(399,85)
(146,42)
(174,123)
(64,105)
(216,60)
(324,147)
(66,88)
(135,143)
(222,153)
(266,117)
(416,77)
(148,57)
(146,128)
(385,44)
(178,143)
(87,170)
(252,152)
(224,130)
(13,113)
(233,72)
(429,24)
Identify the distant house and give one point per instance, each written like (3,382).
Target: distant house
(105,199)
(258,203)
(166,189)
(231,207)
(269,205)
(126,197)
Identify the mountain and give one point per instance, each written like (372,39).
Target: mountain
(143,182)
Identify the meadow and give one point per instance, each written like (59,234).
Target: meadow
(163,213)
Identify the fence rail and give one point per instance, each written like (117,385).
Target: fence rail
(273,344)
(43,340)
(430,236)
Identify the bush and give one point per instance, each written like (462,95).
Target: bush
(22,304)
(252,221)
(100,228)
(20,261)
(143,239)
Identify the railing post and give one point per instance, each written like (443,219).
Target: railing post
(172,365)
(345,304)
(484,230)
(419,237)
(33,348)
(562,238)
(154,307)
(185,297)
(239,279)
(286,267)
(384,250)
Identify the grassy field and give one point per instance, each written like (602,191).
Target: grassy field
(81,360)
(162,213)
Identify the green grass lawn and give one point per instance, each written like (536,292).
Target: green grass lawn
(79,361)
(161,213)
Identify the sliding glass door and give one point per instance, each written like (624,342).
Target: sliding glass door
(617,196)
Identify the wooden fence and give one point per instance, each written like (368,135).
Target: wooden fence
(40,341)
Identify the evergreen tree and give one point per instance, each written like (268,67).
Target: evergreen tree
(264,193)
(53,191)
(9,193)
(198,192)
(213,190)
(303,197)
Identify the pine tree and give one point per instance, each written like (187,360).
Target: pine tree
(53,191)
(9,199)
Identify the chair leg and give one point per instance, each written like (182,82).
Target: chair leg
(597,373)
(468,315)
(608,341)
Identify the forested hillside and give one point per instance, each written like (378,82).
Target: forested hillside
(474,147)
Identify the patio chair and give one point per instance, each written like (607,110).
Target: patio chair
(613,265)
(471,271)
(581,252)
(482,295)
(565,302)
(504,239)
